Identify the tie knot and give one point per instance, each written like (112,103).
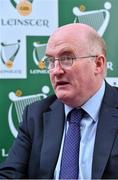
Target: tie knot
(76,115)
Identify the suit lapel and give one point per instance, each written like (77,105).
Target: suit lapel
(106,130)
(52,136)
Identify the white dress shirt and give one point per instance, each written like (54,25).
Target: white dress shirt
(88,131)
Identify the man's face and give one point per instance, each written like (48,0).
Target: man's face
(73,85)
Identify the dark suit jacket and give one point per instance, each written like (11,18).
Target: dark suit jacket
(36,150)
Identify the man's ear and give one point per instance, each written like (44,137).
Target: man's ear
(100,63)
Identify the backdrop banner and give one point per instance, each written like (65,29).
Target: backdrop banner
(25,26)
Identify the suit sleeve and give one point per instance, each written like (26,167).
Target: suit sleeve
(16,165)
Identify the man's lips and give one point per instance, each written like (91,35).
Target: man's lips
(61,83)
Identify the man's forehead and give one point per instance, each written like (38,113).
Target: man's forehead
(62,41)
(55,43)
(59,48)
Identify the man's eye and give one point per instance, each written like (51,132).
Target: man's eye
(69,58)
(51,60)
(65,58)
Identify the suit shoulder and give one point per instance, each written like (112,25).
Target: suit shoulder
(111,95)
(43,104)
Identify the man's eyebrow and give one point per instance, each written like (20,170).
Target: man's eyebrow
(66,50)
(48,55)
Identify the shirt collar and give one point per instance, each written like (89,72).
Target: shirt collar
(92,106)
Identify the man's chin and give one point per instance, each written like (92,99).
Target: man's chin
(61,96)
(64,97)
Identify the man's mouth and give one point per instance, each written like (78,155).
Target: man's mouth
(61,83)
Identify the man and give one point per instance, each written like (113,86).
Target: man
(76,59)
